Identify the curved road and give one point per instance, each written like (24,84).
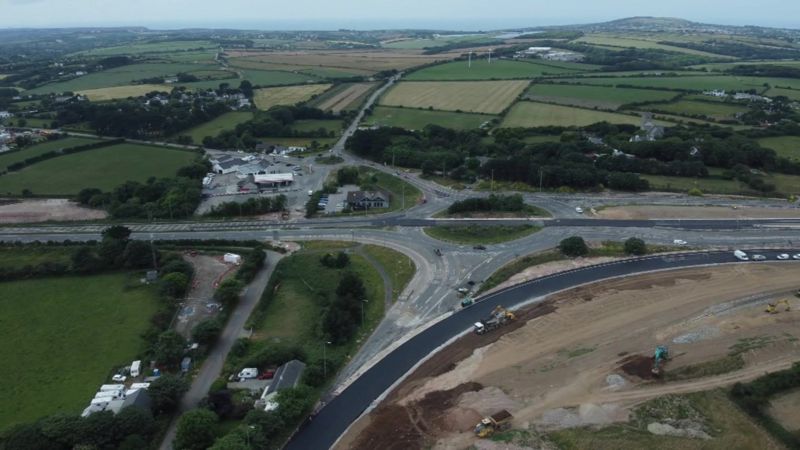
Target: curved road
(333,419)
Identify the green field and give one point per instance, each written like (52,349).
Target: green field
(395,186)
(14,258)
(314,125)
(104,168)
(719,67)
(626,42)
(150,47)
(500,69)
(119,76)
(690,83)
(710,109)
(62,337)
(531,114)
(417,119)
(227,121)
(276,78)
(419,44)
(487,97)
(595,96)
(784,184)
(35,150)
(469,235)
(793,94)
(786,146)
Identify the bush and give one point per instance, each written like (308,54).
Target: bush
(340,261)
(635,246)
(174,284)
(573,246)
(207,331)
(196,430)
(695,192)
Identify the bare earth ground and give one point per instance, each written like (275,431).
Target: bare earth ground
(786,410)
(209,271)
(55,209)
(694,212)
(560,364)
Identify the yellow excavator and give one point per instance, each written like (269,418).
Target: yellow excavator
(772,308)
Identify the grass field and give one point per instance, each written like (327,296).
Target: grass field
(227,121)
(531,114)
(732,428)
(784,184)
(151,47)
(419,44)
(288,95)
(472,234)
(625,42)
(134,90)
(711,110)
(358,62)
(104,168)
(594,96)
(266,78)
(718,67)
(481,70)
(395,186)
(119,76)
(690,83)
(295,312)
(61,339)
(321,72)
(344,97)
(417,119)
(314,125)
(399,267)
(793,94)
(490,97)
(786,146)
(14,258)
(35,150)
(300,142)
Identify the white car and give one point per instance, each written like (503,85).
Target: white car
(783,256)
(579,210)
(796,256)
(759,258)
(679,242)
(119,378)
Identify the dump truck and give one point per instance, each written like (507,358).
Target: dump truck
(659,358)
(498,421)
(499,317)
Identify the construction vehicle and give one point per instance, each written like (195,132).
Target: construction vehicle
(772,308)
(659,358)
(499,316)
(496,422)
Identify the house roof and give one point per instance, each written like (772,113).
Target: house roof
(287,376)
(370,196)
(274,178)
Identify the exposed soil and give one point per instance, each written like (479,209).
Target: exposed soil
(209,271)
(640,212)
(55,209)
(786,410)
(584,356)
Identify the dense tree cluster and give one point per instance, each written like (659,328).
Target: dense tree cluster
(493,203)
(276,122)
(170,198)
(573,246)
(249,207)
(342,317)
(738,49)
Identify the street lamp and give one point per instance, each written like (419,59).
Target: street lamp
(325,358)
(362,310)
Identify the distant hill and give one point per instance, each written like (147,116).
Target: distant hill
(667,24)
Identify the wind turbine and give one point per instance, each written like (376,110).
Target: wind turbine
(469,64)
(490,55)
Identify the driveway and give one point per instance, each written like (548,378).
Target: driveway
(212,366)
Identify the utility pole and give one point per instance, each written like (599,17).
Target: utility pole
(492,180)
(541,175)
(153,251)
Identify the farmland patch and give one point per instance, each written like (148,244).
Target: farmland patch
(490,97)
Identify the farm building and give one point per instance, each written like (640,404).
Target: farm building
(367,200)
(287,376)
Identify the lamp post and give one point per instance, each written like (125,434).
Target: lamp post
(325,358)
(362,311)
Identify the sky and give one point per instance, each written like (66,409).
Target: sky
(468,15)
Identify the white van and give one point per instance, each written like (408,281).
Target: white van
(741,256)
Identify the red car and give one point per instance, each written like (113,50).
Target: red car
(267,374)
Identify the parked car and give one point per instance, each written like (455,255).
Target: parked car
(783,256)
(119,378)
(796,256)
(679,242)
(759,258)
(267,374)
(579,210)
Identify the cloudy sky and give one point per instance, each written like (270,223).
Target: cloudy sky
(366,14)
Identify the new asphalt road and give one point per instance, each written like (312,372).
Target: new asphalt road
(334,418)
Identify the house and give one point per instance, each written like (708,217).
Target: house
(226,164)
(367,200)
(287,376)
(5,115)
(650,132)
(254,167)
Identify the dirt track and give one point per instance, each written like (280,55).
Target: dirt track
(644,212)
(570,353)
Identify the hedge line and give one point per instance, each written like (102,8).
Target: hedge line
(65,151)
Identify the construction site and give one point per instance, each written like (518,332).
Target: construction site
(605,365)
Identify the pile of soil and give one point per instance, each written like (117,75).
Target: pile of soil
(638,366)
(419,424)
